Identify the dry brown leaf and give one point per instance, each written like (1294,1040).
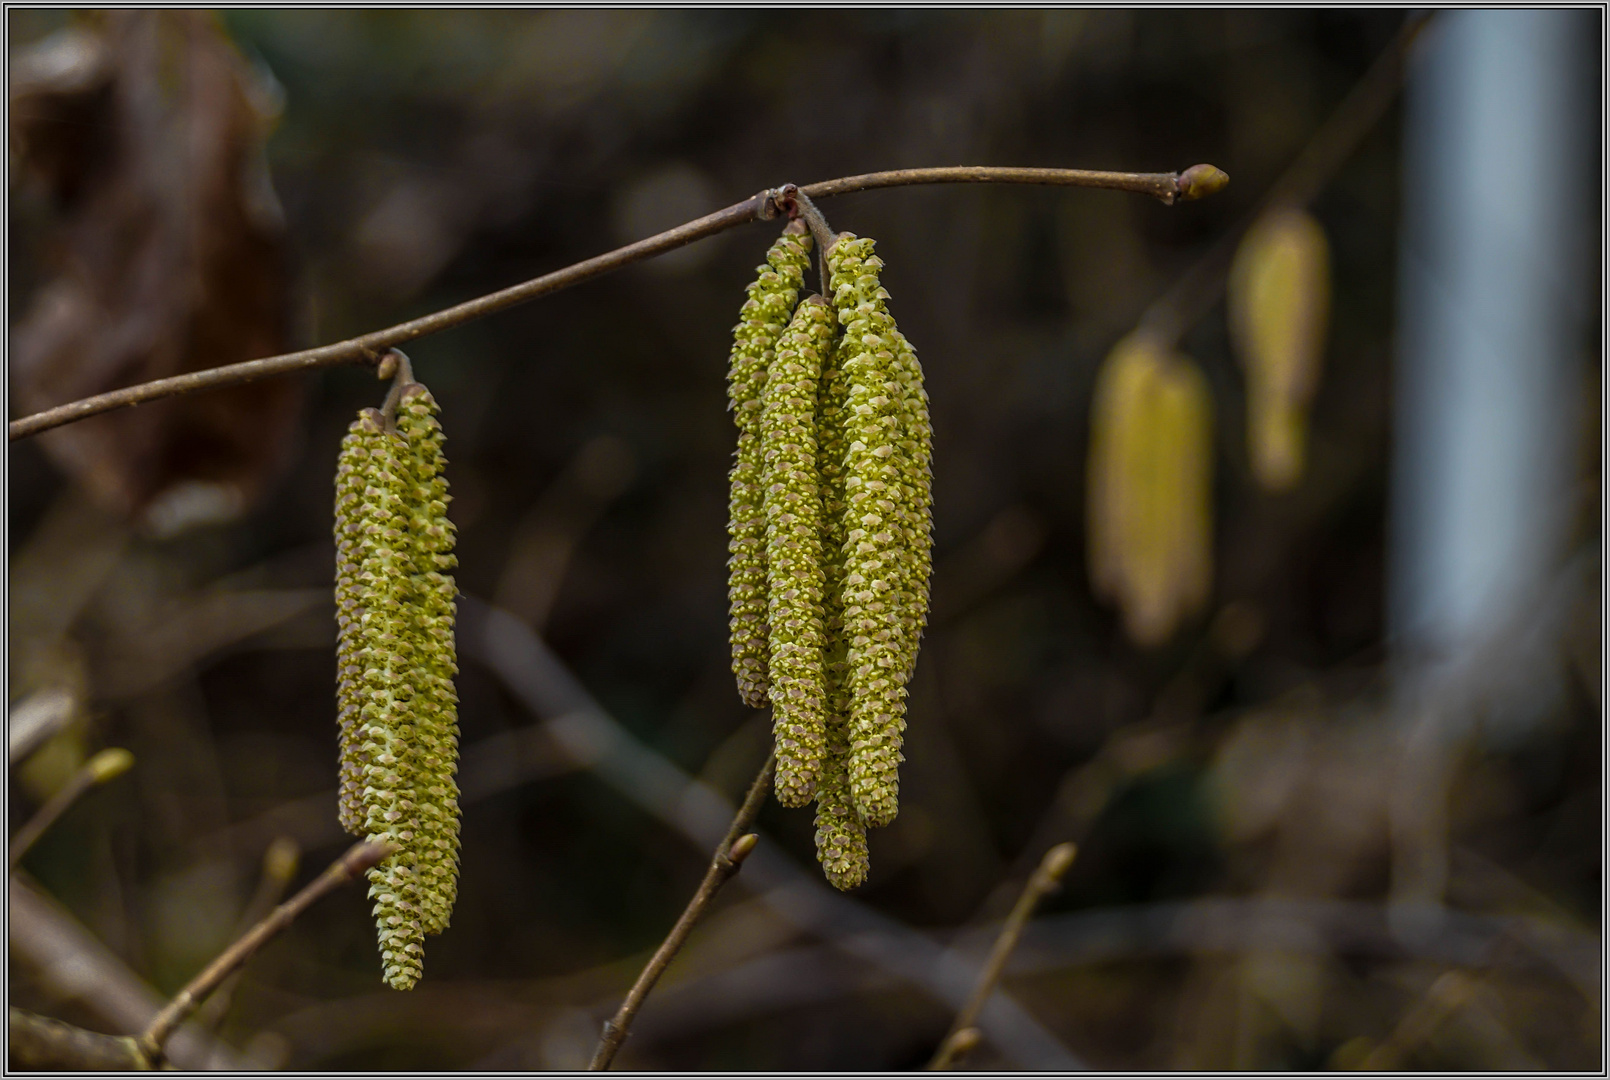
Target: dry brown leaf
(1150,482)
(1278,297)
(147,129)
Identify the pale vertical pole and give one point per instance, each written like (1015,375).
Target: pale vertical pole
(1495,230)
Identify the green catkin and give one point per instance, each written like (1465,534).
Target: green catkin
(351,516)
(765,313)
(881,569)
(841,845)
(403,652)
(918,503)
(794,556)
(436,706)
(386,716)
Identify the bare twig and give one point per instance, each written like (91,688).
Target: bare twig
(40,1043)
(963,1035)
(537,678)
(360,857)
(368,348)
(98,770)
(1177,310)
(280,862)
(73,964)
(729,856)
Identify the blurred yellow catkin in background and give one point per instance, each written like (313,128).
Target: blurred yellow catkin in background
(1278,297)
(1149,518)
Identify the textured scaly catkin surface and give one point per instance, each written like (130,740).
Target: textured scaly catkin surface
(403,650)
(432,592)
(880,567)
(387,713)
(841,845)
(770,303)
(363,439)
(917,505)
(793,507)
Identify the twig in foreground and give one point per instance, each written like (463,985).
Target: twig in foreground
(963,1036)
(729,857)
(1193,183)
(99,769)
(38,1042)
(360,857)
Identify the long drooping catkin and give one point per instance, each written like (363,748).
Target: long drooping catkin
(364,439)
(881,568)
(841,845)
(395,600)
(386,716)
(765,313)
(432,592)
(794,555)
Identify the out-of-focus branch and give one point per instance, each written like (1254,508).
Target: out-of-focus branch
(1177,310)
(727,861)
(72,963)
(38,1042)
(280,862)
(104,766)
(36,719)
(963,1036)
(544,685)
(1195,182)
(360,857)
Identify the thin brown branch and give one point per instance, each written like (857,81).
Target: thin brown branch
(74,965)
(728,859)
(98,770)
(1195,293)
(368,348)
(42,1044)
(360,857)
(963,1035)
(280,862)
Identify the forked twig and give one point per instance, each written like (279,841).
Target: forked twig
(358,858)
(963,1036)
(728,859)
(1195,182)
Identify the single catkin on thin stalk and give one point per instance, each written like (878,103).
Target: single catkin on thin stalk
(881,566)
(841,845)
(765,313)
(794,556)
(399,639)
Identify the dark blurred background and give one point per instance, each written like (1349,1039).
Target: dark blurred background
(1232,789)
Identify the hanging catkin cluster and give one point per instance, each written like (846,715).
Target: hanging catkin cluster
(396,663)
(830,536)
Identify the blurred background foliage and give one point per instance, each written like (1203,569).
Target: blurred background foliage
(425,157)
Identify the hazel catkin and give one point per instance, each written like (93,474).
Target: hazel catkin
(794,556)
(394,546)
(363,440)
(880,562)
(771,299)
